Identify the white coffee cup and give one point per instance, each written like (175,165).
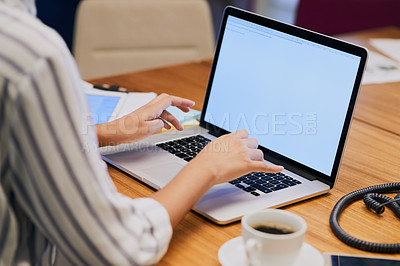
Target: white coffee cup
(273,249)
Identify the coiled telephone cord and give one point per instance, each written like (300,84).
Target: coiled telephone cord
(375,202)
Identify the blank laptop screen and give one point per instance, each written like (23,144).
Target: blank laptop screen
(290,93)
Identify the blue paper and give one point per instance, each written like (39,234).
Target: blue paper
(101,107)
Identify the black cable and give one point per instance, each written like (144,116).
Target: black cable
(375,202)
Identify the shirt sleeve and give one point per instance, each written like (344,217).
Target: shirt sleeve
(62,183)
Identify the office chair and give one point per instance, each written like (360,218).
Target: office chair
(116,36)
(339,16)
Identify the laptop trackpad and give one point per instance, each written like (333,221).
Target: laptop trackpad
(163,173)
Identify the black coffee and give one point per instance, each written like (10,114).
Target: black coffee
(274,228)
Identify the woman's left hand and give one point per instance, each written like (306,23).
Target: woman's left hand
(143,122)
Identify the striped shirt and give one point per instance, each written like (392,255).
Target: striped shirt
(58,205)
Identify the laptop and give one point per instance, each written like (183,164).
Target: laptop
(294,90)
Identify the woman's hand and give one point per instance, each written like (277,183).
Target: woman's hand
(233,155)
(143,122)
(224,159)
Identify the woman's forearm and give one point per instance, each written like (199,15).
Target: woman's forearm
(180,195)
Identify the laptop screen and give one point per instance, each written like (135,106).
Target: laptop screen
(290,93)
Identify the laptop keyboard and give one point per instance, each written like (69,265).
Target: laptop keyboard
(256,183)
(259,182)
(186,148)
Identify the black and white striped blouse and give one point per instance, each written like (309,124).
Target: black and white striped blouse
(58,204)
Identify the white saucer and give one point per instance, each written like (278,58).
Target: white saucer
(232,253)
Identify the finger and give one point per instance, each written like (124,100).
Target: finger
(242,134)
(165,100)
(260,166)
(181,103)
(156,106)
(252,143)
(167,116)
(155,125)
(255,155)
(166,124)
(183,108)
(158,98)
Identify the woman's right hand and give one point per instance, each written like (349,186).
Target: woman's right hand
(233,155)
(223,159)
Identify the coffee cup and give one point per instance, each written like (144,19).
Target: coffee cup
(273,237)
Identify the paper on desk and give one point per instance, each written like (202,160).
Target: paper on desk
(131,101)
(381,69)
(184,117)
(390,47)
(134,100)
(106,109)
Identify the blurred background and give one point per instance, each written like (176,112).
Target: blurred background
(109,37)
(60,14)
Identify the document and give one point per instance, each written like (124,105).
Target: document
(103,108)
(381,69)
(390,47)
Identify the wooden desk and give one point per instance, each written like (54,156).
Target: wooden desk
(372,156)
